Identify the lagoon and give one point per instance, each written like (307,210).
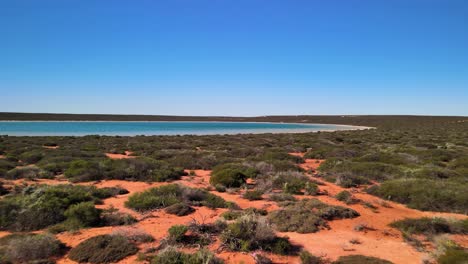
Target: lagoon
(129,128)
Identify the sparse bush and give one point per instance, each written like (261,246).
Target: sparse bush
(167,195)
(84,214)
(177,233)
(281,197)
(228,176)
(424,194)
(250,232)
(307,258)
(30,248)
(345,197)
(170,255)
(133,234)
(103,249)
(179,209)
(431,226)
(253,195)
(308,216)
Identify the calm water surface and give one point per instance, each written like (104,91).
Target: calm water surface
(66,128)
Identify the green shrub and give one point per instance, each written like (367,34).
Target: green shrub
(179,209)
(231,215)
(177,233)
(250,232)
(359,259)
(85,214)
(307,258)
(308,216)
(103,249)
(29,172)
(30,248)
(31,157)
(41,206)
(431,226)
(135,235)
(83,170)
(281,197)
(424,194)
(345,197)
(171,255)
(228,177)
(112,217)
(253,195)
(167,195)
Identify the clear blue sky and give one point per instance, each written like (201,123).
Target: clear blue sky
(234,57)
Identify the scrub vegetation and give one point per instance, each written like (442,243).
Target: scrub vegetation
(46,185)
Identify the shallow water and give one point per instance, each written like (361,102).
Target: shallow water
(71,128)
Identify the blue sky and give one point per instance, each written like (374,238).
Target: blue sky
(234,57)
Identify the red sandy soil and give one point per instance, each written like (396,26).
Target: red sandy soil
(2,157)
(383,241)
(51,147)
(127,155)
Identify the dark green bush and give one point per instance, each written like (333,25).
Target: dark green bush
(228,175)
(103,249)
(424,194)
(41,206)
(360,259)
(83,214)
(31,157)
(83,170)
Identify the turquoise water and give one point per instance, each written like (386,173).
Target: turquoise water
(64,128)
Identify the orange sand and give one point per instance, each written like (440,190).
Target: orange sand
(127,155)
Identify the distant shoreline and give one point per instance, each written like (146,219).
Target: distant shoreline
(167,128)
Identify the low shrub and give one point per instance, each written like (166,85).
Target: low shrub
(281,197)
(167,195)
(307,258)
(84,214)
(253,195)
(228,175)
(30,172)
(112,217)
(455,255)
(360,259)
(179,209)
(103,249)
(231,215)
(41,206)
(177,233)
(308,216)
(345,197)
(133,234)
(424,194)
(251,232)
(170,255)
(431,226)
(30,248)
